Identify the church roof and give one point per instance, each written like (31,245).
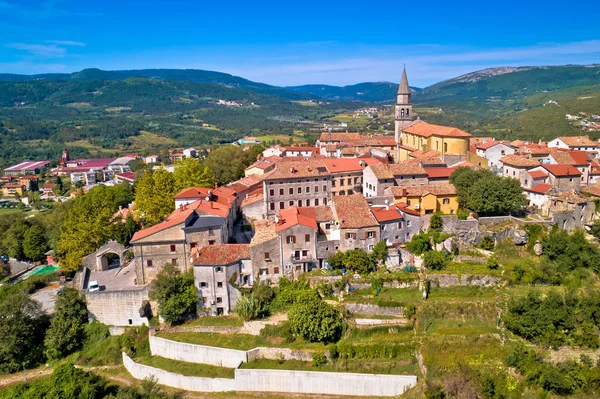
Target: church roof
(404,88)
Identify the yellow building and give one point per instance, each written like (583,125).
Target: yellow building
(12,190)
(423,136)
(427,199)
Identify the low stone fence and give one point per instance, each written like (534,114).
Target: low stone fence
(250,327)
(200,384)
(221,357)
(373,310)
(288,381)
(279,354)
(472,259)
(379,322)
(565,354)
(453,280)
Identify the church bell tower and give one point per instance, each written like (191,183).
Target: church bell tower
(403,106)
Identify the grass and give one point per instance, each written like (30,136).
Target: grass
(186,368)
(467,268)
(396,366)
(9,211)
(216,321)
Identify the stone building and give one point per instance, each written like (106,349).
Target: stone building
(358,226)
(513,165)
(346,175)
(376,178)
(397,225)
(403,108)
(569,210)
(563,177)
(581,143)
(216,269)
(426,199)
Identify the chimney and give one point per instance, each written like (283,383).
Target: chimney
(387,205)
(276,219)
(181,207)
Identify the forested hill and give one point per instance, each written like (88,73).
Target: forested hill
(366,92)
(183,75)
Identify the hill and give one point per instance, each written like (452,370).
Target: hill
(364,92)
(182,75)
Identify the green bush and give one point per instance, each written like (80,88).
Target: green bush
(248,307)
(492,263)
(319,359)
(315,320)
(487,243)
(435,260)
(436,222)
(410,311)
(419,244)
(333,352)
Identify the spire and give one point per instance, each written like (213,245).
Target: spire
(404,88)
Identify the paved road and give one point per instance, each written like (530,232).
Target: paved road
(47,296)
(115,279)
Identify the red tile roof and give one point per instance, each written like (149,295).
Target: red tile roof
(344,137)
(419,154)
(126,176)
(537,174)
(386,214)
(541,188)
(254,196)
(389,171)
(293,216)
(519,161)
(436,173)
(578,141)
(425,129)
(423,190)
(223,195)
(221,254)
(562,170)
(336,165)
(352,211)
(298,169)
(577,158)
(592,190)
(28,165)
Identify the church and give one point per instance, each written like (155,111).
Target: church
(416,137)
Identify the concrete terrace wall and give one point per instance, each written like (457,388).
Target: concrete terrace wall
(117,308)
(368,309)
(312,382)
(175,380)
(453,280)
(305,382)
(197,353)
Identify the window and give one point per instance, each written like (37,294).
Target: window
(291,203)
(219,300)
(276,270)
(324,188)
(192,245)
(299,203)
(350,192)
(149,263)
(304,253)
(351,236)
(408,223)
(349,182)
(307,190)
(408,202)
(316,189)
(219,284)
(211,232)
(272,206)
(324,201)
(264,272)
(370,247)
(173,248)
(203,284)
(271,192)
(327,226)
(174,261)
(267,256)
(445,147)
(291,191)
(296,254)
(308,202)
(446,201)
(211,242)
(370,234)
(281,191)
(299,190)
(316,202)
(307,238)
(399,225)
(332,184)
(291,239)
(281,205)
(218,269)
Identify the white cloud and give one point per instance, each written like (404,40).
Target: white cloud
(41,50)
(66,43)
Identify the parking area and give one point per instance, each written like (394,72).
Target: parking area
(115,279)
(47,296)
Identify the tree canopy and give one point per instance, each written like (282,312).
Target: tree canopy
(175,293)
(66,333)
(154,193)
(191,173)
(315,320)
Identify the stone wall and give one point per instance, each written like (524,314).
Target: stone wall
(323,383)
(221,357)
(452,280)
(200,384)
(368,309)
(117,308)
(279,354)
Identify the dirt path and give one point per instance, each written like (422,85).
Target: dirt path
(15,378)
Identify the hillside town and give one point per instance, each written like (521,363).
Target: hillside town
(299,206)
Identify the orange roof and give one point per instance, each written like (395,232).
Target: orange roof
(386,214)
(298,169)
(578,141)
(353,211)
(541,188)
(293,216)
(389,171)
(425,129)
(221,254)
(423,190)
(592,190)
(519,161)
(434,173)
(423,155)
(562,170)
(376,141)
(335,165)
(579,158)
(223,195)
(537,174)
(264,230)
(595,168)
(345,137)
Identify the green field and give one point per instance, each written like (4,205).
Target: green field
(186,368)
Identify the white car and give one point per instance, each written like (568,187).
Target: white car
(93,286)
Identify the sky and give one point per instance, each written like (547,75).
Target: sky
(293,43)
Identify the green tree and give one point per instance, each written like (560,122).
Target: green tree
(248,307)
(22,329)
(358,260)
(191,173)
(154,193)
(595,229)
(315,320)
(435,260)
(227,163)
(419,244)
(125,230)
(336,260)
(34,243)
(487,243)
(175,294)
(492,263)
(436,222)
(13,238)
(67,329)
(380,251)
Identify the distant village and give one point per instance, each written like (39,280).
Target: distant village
(306,202)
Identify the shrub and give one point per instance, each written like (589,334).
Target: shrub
(333,352)
(487,243)
(419,244)
(315,320)
(319,359)
(263,293)
(358,260)
(380,251)
(492,263)
(435,260)
(248,307)
(175,293)
(436,223)
(336,260)
(410,311)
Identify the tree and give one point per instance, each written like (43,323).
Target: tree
(595,229)
(419,244)
(67,328)
(492,263)
(227,163)
(336,260)
(191,173)
(380,251)
(125,230)
(315,320)
(248,307)
(13,238)
(154,193)
(175,293)
(22,328)
(487,243)
(436,222)
(435,260)
(358,260)
(34,243)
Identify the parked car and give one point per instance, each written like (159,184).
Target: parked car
(93,286)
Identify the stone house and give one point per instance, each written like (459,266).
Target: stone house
(358,226)
(569,210)
(492,151)
(420,135)
(513,165)
(216,269)
(538,195)
(253,206)
(346,175)
(563,177)
(396,226)
(578,159)
(581,143)
(426,199)
(260,167)
(376,178)
(224,196)
(532,177)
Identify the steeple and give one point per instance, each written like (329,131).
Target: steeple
(404,88)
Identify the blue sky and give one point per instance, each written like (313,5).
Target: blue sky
(292,43)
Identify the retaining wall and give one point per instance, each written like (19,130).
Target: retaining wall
(221,357)
(368,309)
(117,308)
(200,384)
(453,280)
(279,354)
